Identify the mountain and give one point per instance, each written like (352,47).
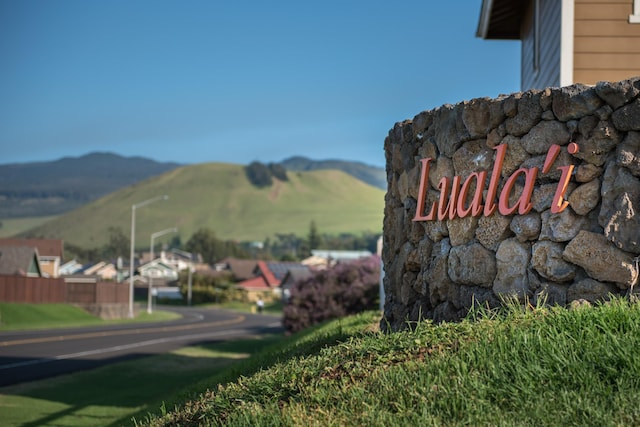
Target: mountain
(219,196)
(369,174)
(51,188)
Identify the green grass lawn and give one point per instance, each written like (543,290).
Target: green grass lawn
(47,316)
(111,395)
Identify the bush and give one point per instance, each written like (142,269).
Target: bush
(208,289)
(347,288)
(209,295)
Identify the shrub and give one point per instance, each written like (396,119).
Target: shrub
(347,288)
(208,289)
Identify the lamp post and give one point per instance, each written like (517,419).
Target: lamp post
(133,238)
(153,236)
(189,281)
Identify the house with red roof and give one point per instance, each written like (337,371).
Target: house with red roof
(263,285)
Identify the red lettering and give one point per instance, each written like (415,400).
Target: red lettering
(450,206)
(475,208)
(523,204)
(422,194)
(490,206)
(448,210)
(559,204)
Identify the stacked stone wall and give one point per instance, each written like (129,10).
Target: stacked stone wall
(520,241)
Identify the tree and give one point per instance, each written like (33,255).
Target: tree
(259,174)
(118,244)
(278,171)
(80,254)
(203,242)
(314,237)
(212,249)
(286,246)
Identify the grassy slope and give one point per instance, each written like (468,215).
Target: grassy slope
(14,316)
(220,197)
(12,226)
(536,367)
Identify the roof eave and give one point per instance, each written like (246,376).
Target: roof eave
(485,17)
(500,19)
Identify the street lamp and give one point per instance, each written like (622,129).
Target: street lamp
(133,238)
(153,236)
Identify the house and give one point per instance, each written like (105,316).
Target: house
(567,41)
(19,261)
(294,275)
(262,285)
(316,262)
(70,267)
(102,269)
(180,260)
(322,258)
(281,268)
(50,253)
(241,269)
(158,270)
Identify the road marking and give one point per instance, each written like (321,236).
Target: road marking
(118,348)
(122,332)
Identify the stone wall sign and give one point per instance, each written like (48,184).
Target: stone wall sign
(533,195)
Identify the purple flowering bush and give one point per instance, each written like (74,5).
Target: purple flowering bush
(347,288)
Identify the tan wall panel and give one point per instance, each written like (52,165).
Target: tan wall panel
(591,77)
(603,11)
(579,2)
(606,28)
(606,45)
(603,61)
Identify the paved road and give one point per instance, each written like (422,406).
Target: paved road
(32,355)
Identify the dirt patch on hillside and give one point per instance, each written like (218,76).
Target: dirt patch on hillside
(276,189)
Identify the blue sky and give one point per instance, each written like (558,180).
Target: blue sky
(235,81)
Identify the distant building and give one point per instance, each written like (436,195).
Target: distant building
(293,276)
(104,270)
(325,258)
(159,270)
(19,261)
(50,253)
(241,269)
(70,267)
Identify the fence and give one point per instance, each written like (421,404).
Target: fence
(38,290)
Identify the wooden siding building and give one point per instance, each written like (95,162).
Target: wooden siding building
(567,41)
(50,253)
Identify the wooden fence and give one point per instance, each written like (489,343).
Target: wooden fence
(38,290)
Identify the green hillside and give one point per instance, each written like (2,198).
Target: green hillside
(220,197)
